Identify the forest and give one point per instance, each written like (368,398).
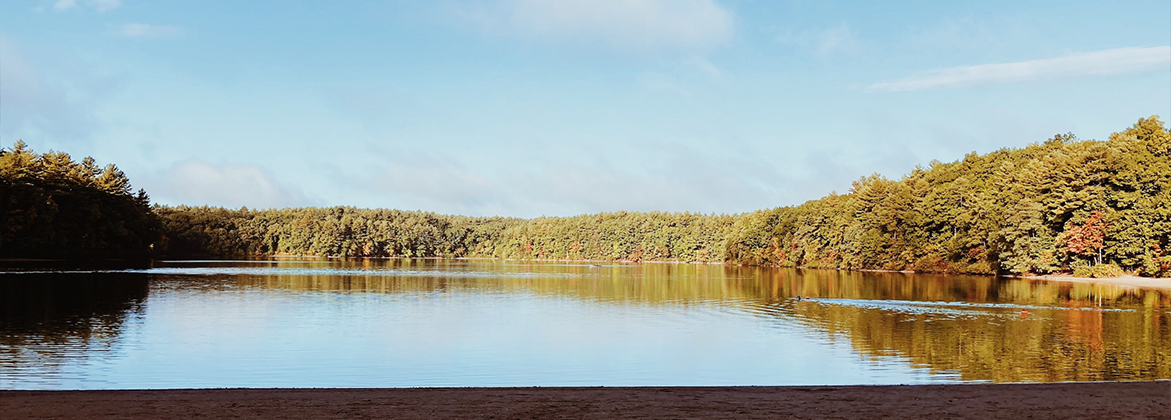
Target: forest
(53,207)
(1087,207)
(1064,205)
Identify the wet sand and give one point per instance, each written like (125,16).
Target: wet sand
(1118,400)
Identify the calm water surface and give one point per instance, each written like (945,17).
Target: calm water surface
(403,323)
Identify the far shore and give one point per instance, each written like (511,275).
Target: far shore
(1126,280)
(1163,284)
(1095,400)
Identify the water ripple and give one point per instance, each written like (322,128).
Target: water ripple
(965,308)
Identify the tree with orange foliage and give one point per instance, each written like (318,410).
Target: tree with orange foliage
(1087,238)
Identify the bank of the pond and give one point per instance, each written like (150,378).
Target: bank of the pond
(1131,400)
(1127,280)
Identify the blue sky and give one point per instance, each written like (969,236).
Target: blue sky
(529,108)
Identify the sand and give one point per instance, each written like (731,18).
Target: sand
(1163,284)
(1117,400)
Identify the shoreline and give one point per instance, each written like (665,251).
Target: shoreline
(1127,280)
(993,401)
(1148,283)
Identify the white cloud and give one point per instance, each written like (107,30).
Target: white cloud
(143,30)
(1104,62)
(622,24)
(195,182)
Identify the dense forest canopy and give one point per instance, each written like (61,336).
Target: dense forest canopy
(53,207)
(1064,205)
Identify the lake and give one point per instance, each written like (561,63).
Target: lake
(412,323)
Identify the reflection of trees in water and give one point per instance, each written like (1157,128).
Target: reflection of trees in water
(49,319)
(994,343)
(1073,332)
(1129,340)
(1049,345)
(653,283)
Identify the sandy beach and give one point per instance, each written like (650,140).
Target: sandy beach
(1119,400)
(1127,280)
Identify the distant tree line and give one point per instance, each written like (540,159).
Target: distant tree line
(1065,205)
(333,231)
(353,232)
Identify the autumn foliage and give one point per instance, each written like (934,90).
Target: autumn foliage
(1086,238)
(1049,207)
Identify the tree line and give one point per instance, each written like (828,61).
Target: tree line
(54,207)
(354,232)
(1063,205)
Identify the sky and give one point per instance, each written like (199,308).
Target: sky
(528,108)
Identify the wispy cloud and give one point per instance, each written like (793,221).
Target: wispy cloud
(424,181)
(64,4)
(623,24)
(231,185)
(39,104)
(104,5)
(823,43)
(1104,62)
(679,178)
(99,5)
(706,66)
(657,82)
(838,39)
(143,30)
